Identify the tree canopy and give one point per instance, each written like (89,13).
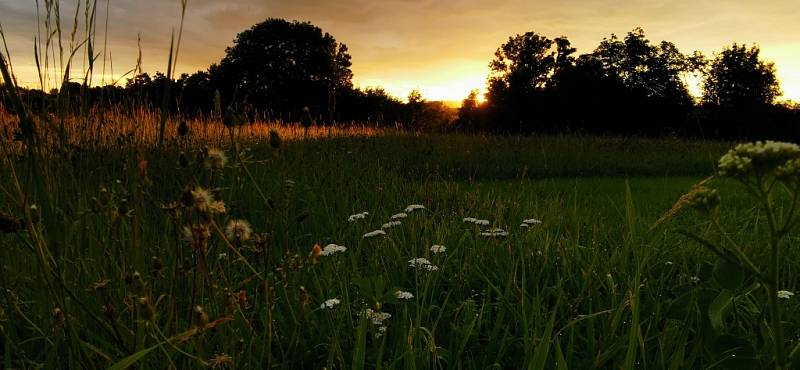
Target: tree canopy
(284,66)
(737,77)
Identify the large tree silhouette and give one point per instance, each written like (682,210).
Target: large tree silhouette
(737,77)
(283,66)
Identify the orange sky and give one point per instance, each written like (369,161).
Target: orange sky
(441,47)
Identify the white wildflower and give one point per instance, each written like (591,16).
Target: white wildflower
(436,249)
(414,207)
(760,155)
(373,234)
(330,303)
(403,295)
(470,220)
(694,279)
(332,249)
(391,224)
(399,216)
(357,216)
(785,294)
(376,317)
(422,264)
(482,222)
(531,222)
(495,233)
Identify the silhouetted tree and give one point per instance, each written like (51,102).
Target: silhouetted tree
(284,66)
(196,94)
(520,70)
(737,77)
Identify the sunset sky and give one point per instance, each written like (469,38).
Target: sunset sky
(442,47)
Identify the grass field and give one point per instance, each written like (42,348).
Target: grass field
(107,275)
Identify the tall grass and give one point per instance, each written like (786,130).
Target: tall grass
(98,269)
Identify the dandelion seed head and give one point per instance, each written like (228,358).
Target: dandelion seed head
(238,230)
(215,159)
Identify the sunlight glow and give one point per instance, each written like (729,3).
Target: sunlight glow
(448,82)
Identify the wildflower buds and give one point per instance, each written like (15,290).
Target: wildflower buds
(304,297)
(58,318)
(789,172)
(36,215)
(705,201)
(316,251)
(200,317)
(146,309)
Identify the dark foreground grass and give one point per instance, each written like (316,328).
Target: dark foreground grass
(105,277)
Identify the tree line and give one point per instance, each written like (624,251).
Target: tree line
(629,86)
(626,86)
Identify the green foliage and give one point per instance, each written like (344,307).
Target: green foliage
(586,288)
(768,173)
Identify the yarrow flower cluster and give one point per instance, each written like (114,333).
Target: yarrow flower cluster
(399,216)
(391,224)
(414,207)
(332,249)
(495,233)
(403,295)
(376,317)
(357,216)
(530,222)
(331,303)
(785,294)
(422,264)
(238,230)
(760,156)
(373,234)
(473,220)
(436,249)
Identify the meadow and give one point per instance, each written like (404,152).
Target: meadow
(259,248)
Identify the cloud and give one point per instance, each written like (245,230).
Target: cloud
(405,42)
